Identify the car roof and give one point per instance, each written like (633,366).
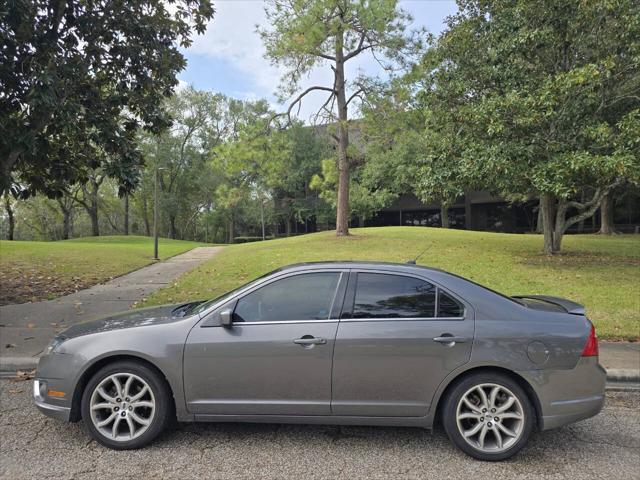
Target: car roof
(406,267)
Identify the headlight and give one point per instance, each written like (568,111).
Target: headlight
(53,345)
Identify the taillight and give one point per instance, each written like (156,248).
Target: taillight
(591,348)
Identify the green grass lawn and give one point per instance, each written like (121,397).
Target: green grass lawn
(603,273)
(39,270)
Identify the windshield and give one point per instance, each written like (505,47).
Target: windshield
(201,307)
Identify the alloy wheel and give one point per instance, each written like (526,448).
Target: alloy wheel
(122,406)
(490,418)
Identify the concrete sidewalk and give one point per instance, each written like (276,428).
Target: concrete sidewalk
(26,329)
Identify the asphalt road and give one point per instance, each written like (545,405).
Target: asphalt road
(33,446)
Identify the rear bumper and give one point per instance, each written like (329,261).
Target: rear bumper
(574,411)
(568,396)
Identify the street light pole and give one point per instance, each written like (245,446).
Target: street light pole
(155,214)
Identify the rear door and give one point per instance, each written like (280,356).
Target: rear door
(392,347)
(276,357)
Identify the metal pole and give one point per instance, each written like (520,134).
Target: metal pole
(262,217)
(155,214)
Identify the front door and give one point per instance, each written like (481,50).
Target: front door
(276,357)
(389,356)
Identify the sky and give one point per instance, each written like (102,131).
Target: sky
(229,57)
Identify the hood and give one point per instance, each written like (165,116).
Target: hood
(136,318)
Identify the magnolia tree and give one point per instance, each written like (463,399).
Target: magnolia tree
(304,34)
(77,81)
(543,98)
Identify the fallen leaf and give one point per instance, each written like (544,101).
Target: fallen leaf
(31,325)
(29,338)
(22,375)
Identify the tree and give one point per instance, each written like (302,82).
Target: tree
(87,195)
(304,34)
(10,216)
(546,100)
(80,76)
(66,204)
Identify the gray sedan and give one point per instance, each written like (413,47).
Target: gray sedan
(333,343)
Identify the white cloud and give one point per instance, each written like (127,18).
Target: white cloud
(231,37)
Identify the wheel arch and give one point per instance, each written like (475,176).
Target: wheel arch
(91,370)
(521,381)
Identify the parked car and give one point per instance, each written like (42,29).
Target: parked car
(333,343)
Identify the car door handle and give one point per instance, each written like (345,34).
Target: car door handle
(450,339)
(310,341)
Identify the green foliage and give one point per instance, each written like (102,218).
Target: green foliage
(542,92)
(364,201)
(78,81)
(303,33)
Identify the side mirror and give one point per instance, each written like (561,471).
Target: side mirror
(226,317)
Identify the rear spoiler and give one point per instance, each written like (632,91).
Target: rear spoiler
(570,307)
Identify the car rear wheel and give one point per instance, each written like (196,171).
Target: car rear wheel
(126,405)
(488,416)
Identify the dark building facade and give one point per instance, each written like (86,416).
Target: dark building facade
(480,210)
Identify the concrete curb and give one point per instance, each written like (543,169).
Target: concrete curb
(623,375)
(13,364)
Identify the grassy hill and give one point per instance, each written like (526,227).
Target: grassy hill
(39,270)
(603,273)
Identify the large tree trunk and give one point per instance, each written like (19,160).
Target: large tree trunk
(540,221)
(287,227)
(231,229)
(10,215)
(145,217)
(66,224)
(548,206)
(607,226)
(126,214)
(556,222)
(173,230)
(65,209)
(95,225)
(444,215)
(90,202)
(342,213)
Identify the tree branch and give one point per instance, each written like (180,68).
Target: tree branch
(356,94)
(588,208)
(359,48)
(297,101)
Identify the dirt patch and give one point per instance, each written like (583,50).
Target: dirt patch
(579,259)
(20,285)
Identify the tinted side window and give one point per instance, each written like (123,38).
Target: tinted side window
(391,296)
(299,297)
(448,306)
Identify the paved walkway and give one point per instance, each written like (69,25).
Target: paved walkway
(28,327)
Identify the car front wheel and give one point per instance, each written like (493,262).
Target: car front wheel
(125,405)
(488,416)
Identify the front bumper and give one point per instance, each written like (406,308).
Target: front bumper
(58,412)
(568,396)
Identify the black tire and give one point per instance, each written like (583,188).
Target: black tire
(454,397)
(161,394)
